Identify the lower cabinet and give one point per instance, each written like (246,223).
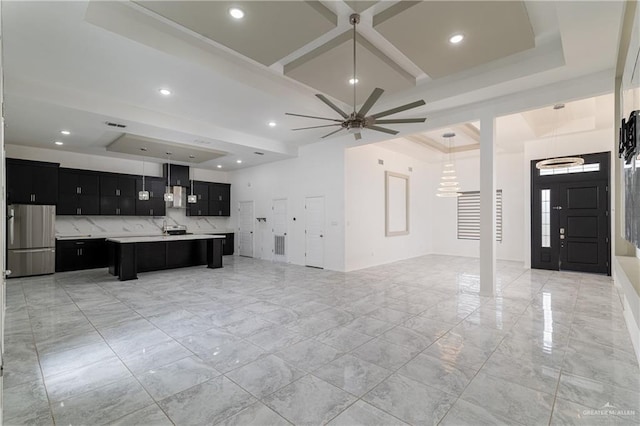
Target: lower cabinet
(155,256)
(227,244)
(75,255)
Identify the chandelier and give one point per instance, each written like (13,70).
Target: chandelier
(449,186)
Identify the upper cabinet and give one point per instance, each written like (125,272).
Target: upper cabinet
(220,199)
(179,174)
(201,206)
(214,199)
(78,192)
(32,182)
(117,194)
(87,192)
(155,205)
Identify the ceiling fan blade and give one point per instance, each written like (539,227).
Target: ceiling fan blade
(336,131)
(316,127)
(383,130)
(333,106)
(311,116)
(400,109)
(373,98)
(401,120)
(358,136)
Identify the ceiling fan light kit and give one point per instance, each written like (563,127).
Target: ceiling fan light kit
(357,121)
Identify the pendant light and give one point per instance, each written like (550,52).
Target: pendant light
(558,162)
(144,194)
(168,195)
(448,182)
(192,199)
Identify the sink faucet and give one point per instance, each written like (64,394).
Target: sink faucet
(164,226)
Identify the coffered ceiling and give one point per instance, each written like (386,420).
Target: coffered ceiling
(269,30)
(78,64)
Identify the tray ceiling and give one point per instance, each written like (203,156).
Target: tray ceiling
(398,45)
(156,148)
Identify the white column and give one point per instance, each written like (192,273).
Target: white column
(487,207)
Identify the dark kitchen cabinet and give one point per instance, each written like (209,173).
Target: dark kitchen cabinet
(179,174)
(155,205)
(219,199)
(151,256)
(75,255)
(31,182)
(78,192)
(117,194)
(227,244)
(201,207)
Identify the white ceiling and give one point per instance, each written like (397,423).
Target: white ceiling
(74,65)
(541,125)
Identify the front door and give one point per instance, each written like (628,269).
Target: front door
(570,217)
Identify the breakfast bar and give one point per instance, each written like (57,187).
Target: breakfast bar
(130,255)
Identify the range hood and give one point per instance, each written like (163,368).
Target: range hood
(179,197)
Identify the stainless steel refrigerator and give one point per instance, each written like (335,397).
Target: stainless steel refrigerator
(31,240)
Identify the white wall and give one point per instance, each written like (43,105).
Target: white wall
(509,178)
(580,143)
(122,225)
(366,243)
(317,171)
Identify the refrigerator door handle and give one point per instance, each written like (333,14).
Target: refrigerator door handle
(11,223)
(40,250)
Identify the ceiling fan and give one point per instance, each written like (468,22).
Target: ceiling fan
(356,121)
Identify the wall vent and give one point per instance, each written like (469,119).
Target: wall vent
(112,124)
(381,162)
(279,245)
(258,153)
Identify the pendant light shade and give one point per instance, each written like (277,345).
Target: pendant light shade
(144,194)
(449,187)
(558,162)
(168,195)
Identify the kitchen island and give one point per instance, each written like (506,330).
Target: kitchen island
(130,255)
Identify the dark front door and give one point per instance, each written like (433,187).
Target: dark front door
(570,217)
(583,227)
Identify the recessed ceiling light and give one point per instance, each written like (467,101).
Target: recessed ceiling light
(58,143)
(65,132)
(456,38)
(219,166)
(165,92)
(272,124)
(238,161)
(353,80)
(236,13)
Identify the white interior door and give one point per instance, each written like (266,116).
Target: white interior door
(279,230)
(245,228)
(314,231)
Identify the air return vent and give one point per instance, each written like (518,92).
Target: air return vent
(112,124)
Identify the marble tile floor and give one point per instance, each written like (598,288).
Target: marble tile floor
(261,343)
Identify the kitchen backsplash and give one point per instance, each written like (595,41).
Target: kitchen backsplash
(137,225)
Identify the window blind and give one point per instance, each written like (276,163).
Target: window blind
(469,215)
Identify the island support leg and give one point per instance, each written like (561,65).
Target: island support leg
(214,253)
(128,262)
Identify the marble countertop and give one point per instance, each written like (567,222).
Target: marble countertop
(158,238)
(122,235)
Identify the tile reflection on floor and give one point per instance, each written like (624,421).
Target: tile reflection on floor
(262,343)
